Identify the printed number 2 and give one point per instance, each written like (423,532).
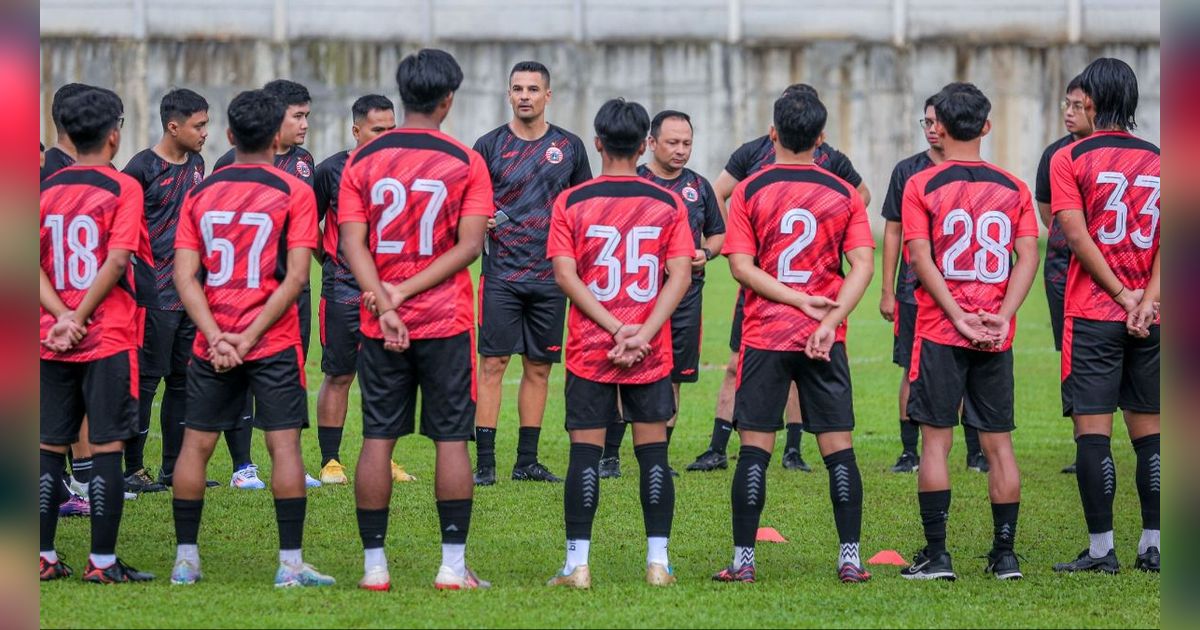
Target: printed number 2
(390,186)
(997,247)
(634,261)
(808,233)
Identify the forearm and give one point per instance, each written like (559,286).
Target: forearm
(106,278)
(862,267)
(582,299)
(1044,214)
(714,243)
(668,297)
(1021,278)
(932,281)
(441,269)
(49,297)
(362,264)
(891,255)
(196,304)
(764,284)
(1152,289)
(283,297)
(1084,249)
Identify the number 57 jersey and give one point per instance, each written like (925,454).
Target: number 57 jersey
(971,213)
(411,187)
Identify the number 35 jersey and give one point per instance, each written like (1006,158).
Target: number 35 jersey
(971,213)
(796,220)
(411,187)
(620,231)
(242,220)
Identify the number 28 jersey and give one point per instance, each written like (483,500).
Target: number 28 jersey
(971,213)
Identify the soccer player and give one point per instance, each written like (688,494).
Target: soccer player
(611,239)
(790,225)
(745,161)
(63,153)
(412,210)
(521,308)
(372,115)
(963,221)
(1076,110)
(91,225)
(249,229)
(1106,198)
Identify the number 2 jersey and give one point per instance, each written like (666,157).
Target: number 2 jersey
(242,220)
(411,187)
(620,230)
(971,213)
(1113,177)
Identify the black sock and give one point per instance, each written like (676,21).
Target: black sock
(107,491)
(613,438)
(455,519)
(794,432)
(935,511)
(670,431)
(135,450)
(289,515)
(909,434)
(719,441)
(238,439)
(657,489)
(582,492)
(1004,525)
(372,527)
(187,520)
(971,436)
(749,493)
(846,493)
(527,445)
(330,441)
(50,483)
(485,447)
(171,417)
(135,447)
(1146,448)
(1097,477)
(81,469)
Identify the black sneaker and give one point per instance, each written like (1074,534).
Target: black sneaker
(1003,564)
(1085,562)
(485,475)
(140,481)
(1069,469)
(115,573)
(1148,561)
(908,462)
(929,566)
(610,467)
(977,461)
(793,461)
(534,472)
(709,460)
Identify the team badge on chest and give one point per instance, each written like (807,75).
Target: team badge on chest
(554,155)
(690,194)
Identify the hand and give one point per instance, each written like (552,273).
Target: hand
(997,327)
(64,334)
(630,346)
(815,306)
(370,301)
(1129,298)
(491,224)
(699,259)
(395,333)
(887,306)
(223,354)
(971,326)
(1141,318)
(820,343)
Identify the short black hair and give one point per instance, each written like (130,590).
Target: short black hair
(531,66)
(89,116)
(929,103)
(60,97)
(656,124)
(425,78)
(1075,84)
(288,92)
(1113,88)
(179,105)
(799,120)
(800,88)
(368,103)
(254,118)
(963,110)
(622,127)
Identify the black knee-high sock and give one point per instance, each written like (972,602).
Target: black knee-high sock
(238,439)
(330,441)
(794,433)
(187,520)
(657,490)
(81,469)
(1097,477)
(582,492)
(1146,448)
(909,434)
(749,493)
(935,511)
(171,418)
(372,527)
(670,432)
(485,447)
(135,447)
(50,483)
(613,438)
(527,445)
(455,519)
(289,515)
(846,493)
(971,437)
(1004,525)
(719,441)
(107,491)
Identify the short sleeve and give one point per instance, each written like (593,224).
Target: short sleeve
(1027,223)
(559,241)
(895,195)
(323,189)
(739,237)
(681,244)
(223,161)
(739,162)
(302,219)
(841,166)
(128,224)
(1065,194)
(477,198)
(186,234)
(136,168)
(713,222)
(583,170)
(914,214)
(350,197)
(1041,186)
(858,230)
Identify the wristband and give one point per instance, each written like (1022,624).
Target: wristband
(1118,293)
(708,255)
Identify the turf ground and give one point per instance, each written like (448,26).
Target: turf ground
(517,531)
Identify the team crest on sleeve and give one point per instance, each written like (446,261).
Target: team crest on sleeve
(554,155)
(196,177)
(303,169)
(690,194)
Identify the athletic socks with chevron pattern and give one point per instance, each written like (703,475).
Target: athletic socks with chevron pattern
(107,491)
(1004,525)
(581,496)
(749,494)
(935,512)
(1096,474)
(50,483)
(1148,482)
(846,493)
(658,499)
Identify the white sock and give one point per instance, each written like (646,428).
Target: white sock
(291,557)
(849,553)
(656,550)
(577,554)
(1100,544)
(455,557)
(191,553)
(102,561)
(373,558)
(1149,539)
(743,556)
(50,556)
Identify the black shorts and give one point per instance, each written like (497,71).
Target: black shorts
(826,396)
(685,336)
(216,400)
(1054,297)
(593,405)
(339,337)
(304,311)
(443,369)
(945,377)
(1104,367)
(167,344)
(521,318)
(903,331)
(735,331)
(105,390)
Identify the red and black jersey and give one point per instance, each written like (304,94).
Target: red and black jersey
(411,187)
(56,160)
(796,220)
(164,187)
(1058,254)
(296,161)
(753,156)
(86,212)
(1113,177)
(704,215)
(972,213)
(526,177)
(906,280)
(621,231)
(337,281)
(243,220)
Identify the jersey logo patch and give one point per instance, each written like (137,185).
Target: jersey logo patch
(508,155)
(303,169)
(690,194)
(167,181)
(554,155)
(196,176)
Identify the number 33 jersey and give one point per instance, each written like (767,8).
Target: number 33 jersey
(620,231)
(972,213)
(242,220)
